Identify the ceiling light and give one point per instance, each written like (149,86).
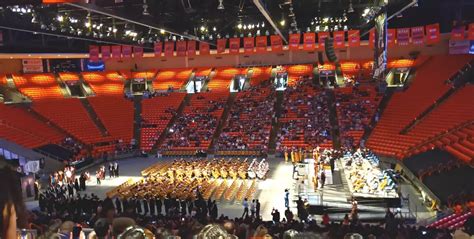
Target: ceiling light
(282,22)
(245,27)
(162,31)
(87,24)
(263,24)
(221,5)
(326,19)
(60,18)
(202,28)
(214,29)
(239,26)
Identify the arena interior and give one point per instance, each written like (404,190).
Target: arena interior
(237,119)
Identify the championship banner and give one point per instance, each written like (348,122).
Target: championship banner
(261,43)
(169,48)
(221,45)
(309,39)
(158,47)
(234,45)
(470,33)
(418,35)
(294,41)
(391,36)
(116,52)
(59,1)
(380,50)
(181,48)
(432,33)
(126,51)
(403,36)
(276,42)
(1,38)
(94,53)
(105,51)
(322,38)
(372,38)
(458,33)
(354,38)
(191,48)
(339,39)
(32,65)
(204,48)
(249,43)
(138,51)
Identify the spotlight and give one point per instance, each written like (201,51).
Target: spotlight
(282,22)
(245,27)
(87,24)
(239,26)
(202,28)
(263,24)
(326,19)
(221,5)
(60,18)
(114,30)
(214,29)
(162,31)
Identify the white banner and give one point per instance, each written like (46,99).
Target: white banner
(32,167)
(32,65)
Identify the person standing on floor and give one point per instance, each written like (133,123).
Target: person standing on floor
(257,208)
(253,205)
(111,170)
(97,176)
(287,198)
(246,208)
(323,178)
(116,167)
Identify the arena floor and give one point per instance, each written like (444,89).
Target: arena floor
(270,191)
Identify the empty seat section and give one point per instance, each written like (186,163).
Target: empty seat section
(70,115)
(260,74)
(156,115)
(296,72)
(116,113)
(105,83)
(149,75)
(223,76)
(428,85)
(67,76)
(19,118)
(171,78)
(195,128)
(38,86)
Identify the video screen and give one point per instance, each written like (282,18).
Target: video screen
(195,85)
(238,83)
(281,81)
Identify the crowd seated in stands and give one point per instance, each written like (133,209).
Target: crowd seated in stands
(355,107)
(305,118)
(249,122)
(195,127)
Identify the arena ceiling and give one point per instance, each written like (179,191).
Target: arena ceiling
(33,27)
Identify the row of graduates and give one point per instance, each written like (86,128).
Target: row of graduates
(298,155)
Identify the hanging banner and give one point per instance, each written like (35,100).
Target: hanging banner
(391,36)
(459,47)
(191,48)
(126,51)
(181,48)
(221,45)
(458,33)
(354,38)
(309,39)
(294,41)
(322,38)
(204,48)
(94,53)
(234,45)
(418,35)
(249,43)
(276,42)
(116,52)
(432,33)
(58,1)
(261,42)
(380,50)
(158,47)
(105,51)
(403,36)
(339,39)
(169,48)
(32,65)
(372,38)
(1,38)
(470,33)
(138,51)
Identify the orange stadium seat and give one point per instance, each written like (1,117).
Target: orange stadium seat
(223,77)
(174,78)
(105,83)
(38,86)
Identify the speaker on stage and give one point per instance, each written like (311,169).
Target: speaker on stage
(320,58)
(329,47)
